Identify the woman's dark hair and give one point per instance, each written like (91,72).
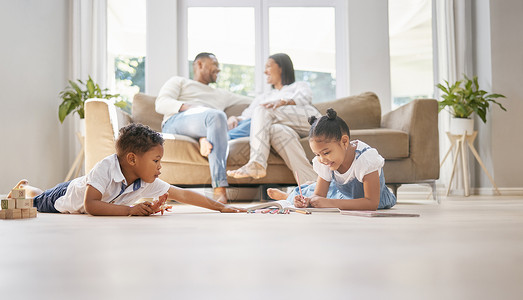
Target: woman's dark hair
(137,138)
(287,68)
(328,127)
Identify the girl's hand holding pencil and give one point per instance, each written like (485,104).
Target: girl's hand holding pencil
(301,202)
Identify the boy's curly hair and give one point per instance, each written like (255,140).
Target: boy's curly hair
(137,138)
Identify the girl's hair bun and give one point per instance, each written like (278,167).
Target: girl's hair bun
(312,119)
(331,114)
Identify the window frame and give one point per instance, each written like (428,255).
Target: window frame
(261,21)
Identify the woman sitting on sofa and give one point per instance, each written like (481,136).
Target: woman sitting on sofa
(278,118)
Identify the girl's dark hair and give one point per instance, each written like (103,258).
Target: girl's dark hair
(328,127)
(287,68)
(137,138)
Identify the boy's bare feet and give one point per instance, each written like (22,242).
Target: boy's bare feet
(220,194)
(276,194)
(30,191)
(205,147)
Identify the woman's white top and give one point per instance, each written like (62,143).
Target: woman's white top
(298,91)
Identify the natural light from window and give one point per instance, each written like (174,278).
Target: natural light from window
(311,45)
(126,32)
(411,50)
(228,32)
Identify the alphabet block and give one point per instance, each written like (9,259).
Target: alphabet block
(13,213)
(18,193)
(24,203)
(8,203)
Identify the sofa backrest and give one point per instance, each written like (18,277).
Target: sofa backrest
(361,111)
(143,111)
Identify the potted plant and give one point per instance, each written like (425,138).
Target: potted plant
(464,98)
(75,95)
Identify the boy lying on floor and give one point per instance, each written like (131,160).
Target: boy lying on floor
(119,180)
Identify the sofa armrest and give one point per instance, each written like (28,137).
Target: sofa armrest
(102,122)
(419,119)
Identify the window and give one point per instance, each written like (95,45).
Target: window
(126,47)
(411,50)
(311,45)
(231,40)
(244,33)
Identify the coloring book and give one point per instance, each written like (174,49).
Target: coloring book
(283,205)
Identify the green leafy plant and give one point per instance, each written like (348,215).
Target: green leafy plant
(75,95)
(464,98)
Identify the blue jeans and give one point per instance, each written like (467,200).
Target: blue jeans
(205,122)
(45,201)
(242,130)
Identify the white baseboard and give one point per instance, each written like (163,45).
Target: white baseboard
(417,191)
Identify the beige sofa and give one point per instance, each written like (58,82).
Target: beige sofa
(407,138)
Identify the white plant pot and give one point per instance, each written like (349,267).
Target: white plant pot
(459,126)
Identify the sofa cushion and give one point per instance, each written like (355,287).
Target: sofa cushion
(362,111)
(144,111)
(390,143)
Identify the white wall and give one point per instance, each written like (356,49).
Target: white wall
(499,65)
(506,19)
(369,54)
(162,44)
(33,70)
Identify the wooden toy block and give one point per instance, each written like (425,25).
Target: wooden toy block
(13,213)
(25,213)
(2,214)
(32,212)
(18,193)
(8,203)
(24,203)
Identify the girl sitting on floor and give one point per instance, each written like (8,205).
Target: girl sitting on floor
(350,174)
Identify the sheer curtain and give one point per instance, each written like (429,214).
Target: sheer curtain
(454,33)
(88,48)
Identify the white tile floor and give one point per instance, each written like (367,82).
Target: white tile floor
(465,248)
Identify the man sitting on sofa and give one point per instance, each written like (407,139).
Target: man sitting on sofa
(193,108)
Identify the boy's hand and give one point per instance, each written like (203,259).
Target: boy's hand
(157,206)
(301,202)
(231,209)
(141,209)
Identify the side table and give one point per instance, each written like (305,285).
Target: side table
(459,142)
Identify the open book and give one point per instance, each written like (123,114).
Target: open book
(371,213)
(283,205)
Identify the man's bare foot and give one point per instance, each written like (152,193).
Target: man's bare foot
(276,194)
(220,195)
(30,191)
(205,147)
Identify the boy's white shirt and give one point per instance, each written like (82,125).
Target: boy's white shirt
(368,162)
(107,177)
(179,90)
